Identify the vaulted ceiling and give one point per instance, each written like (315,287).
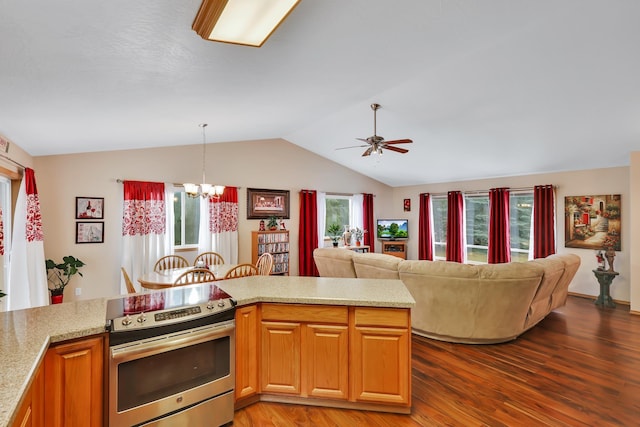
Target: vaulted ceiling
(484,88)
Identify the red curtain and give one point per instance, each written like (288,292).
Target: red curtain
(544,241)
(499,236)
(144,208)
(223,211)
(425,240)
(308,235)
(455,227)
(367,219)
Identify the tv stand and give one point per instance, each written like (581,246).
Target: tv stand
(395,247)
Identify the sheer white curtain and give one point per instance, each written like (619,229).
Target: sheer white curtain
(219,225)
(357,211)
(321,200)
(147,227)
(27,285)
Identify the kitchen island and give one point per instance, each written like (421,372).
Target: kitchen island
(25,335)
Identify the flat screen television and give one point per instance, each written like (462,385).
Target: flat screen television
(393,229)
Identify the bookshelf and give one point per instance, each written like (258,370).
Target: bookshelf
(277,244)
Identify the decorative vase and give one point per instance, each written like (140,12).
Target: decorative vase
(347,238)
(357,242)
(57,299)
(610,254)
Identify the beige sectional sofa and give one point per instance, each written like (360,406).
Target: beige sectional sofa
(465,303)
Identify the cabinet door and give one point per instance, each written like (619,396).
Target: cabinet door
(74,384)
(31,411)
(246,351)
(381,365)
(281,357)
(327,361)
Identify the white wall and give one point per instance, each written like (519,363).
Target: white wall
(278,164)
(595,181)
(274,164)
(634,244)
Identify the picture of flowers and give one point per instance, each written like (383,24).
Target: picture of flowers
(592,222)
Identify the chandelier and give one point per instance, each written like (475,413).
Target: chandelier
(203,190)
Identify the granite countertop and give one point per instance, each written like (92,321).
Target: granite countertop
(318,290)
(25,335)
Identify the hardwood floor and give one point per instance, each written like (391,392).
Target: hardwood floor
(579,367)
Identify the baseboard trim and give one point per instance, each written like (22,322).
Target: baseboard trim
(593,297)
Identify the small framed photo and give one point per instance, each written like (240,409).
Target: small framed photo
(89,207)
(90,232)
(263,203)
(407,205)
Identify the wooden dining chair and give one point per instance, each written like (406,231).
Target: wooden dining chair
(209,258)
(196,275)
(241,270)
(130,288)
(264,264)
(170,261)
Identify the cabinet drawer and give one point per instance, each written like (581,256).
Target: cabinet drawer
(392,317)
(305,313)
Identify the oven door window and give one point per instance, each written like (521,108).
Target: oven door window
(154,377)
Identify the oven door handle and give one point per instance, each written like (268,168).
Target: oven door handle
(170,342)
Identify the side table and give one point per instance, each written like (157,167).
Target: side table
(605,278)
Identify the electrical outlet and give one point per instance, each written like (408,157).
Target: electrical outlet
(78,291)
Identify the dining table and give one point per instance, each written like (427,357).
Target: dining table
(166,278)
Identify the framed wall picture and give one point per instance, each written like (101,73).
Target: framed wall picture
(89,207)
(592,221)
(90,232)
(407,205)
(263,203)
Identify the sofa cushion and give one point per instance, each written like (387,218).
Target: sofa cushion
(541,304)
(334,262)
(376,266)
(571,265)
(470,303)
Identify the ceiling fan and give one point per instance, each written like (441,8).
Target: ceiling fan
(375,144)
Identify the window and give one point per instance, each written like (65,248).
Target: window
(186,217)
(520,212)
(5,203)
(477,227)
(439,209)
(338,211)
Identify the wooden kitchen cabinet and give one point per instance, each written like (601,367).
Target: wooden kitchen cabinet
(305,350)
(247,324)
(74,379)
(326,352)
(281,357)
(31,410)
(381,356)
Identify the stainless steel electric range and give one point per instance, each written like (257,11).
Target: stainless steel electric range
(171,357)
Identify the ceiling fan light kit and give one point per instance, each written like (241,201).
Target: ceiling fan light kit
(376,143)
(244,22)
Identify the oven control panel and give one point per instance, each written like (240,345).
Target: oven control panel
(166,317)
(176,314)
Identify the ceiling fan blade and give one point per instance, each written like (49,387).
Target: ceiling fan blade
(396,149)
(367,152)
(363,140)
(353,146)
(399,141)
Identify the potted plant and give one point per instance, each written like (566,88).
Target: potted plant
(335,233)
(59,274)
(272,222)
(359,234)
